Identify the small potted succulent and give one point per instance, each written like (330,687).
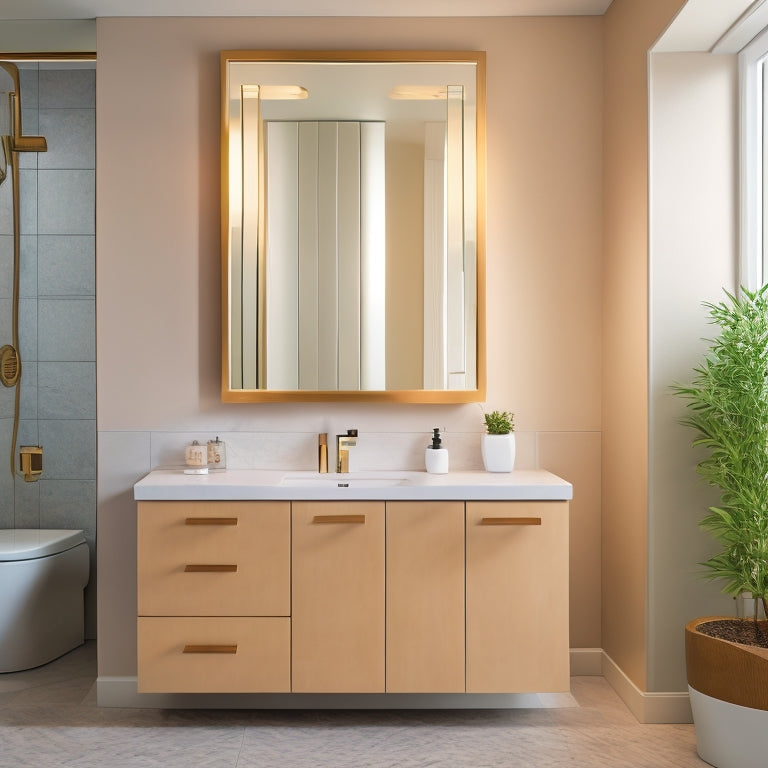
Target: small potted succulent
(498,442)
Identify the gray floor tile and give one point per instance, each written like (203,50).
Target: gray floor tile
(48,718)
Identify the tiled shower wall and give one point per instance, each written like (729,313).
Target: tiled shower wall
(57,307)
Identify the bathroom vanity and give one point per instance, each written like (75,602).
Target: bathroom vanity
(366,583)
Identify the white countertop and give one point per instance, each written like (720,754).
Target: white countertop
(254,484)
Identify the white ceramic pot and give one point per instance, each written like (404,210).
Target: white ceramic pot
(726,733)
(498,452)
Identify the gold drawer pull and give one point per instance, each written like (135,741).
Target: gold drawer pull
(338,519)
(511,521)
(210,568)
(211,521)
(210,649)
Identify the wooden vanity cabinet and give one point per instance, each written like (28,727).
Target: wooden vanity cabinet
(338,597)
(425,596)
(213,596)
(517,597)
(353,596)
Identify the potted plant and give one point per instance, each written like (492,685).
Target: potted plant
(498,442)
(727,658)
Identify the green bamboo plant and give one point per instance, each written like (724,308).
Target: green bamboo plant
(727,404)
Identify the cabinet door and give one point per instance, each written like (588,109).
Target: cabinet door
(425,597)
(220,558)
(338,597)
(517,597)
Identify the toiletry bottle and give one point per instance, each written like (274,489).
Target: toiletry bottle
(436,457)
(196,458)
(322,452)
(217,454)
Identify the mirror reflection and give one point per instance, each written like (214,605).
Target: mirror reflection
(350,226)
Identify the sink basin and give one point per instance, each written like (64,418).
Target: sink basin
(351,480)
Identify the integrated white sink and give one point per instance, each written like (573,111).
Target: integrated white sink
(346,480)
(366,485)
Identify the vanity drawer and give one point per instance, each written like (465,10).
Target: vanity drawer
(214,655)
(214,558)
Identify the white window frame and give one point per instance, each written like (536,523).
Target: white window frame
(753,161)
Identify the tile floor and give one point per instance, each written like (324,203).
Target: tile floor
(49,717)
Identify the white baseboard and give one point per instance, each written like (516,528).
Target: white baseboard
(586,661)
(647,706)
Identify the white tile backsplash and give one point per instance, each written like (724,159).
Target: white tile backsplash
(388,451)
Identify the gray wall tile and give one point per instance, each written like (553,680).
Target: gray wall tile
(67,390)
(28,394)
(6,480)
(6,205)
(7,407)
(27,328)
(70,134)
(29,127)
(28,78)
(28,266)
(66,202)
(66,265)
(68,504)
(27,501)
(71,88)
(29,434)
(69,448)
(30,124)
(66,330)
(27,202)
(6,266)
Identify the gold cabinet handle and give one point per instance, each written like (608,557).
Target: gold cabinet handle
(210,649)
(210,568)
(510,521)
(211,521)
(338,519)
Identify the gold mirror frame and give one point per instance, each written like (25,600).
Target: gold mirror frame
(230,395)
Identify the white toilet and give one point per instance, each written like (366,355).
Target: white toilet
(42,577)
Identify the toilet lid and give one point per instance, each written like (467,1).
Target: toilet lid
(29,543)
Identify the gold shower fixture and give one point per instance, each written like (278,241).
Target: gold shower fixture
(12,144)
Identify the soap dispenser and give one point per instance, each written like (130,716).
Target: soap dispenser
(436,457)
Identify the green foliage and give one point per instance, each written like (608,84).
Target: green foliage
(499,422)
(727,405)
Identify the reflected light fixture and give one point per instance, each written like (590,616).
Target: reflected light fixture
(418,92)
(275,92)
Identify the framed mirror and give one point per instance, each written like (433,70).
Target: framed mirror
(353,226)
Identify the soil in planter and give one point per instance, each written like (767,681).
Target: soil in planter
(742,631)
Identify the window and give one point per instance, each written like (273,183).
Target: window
(753,85)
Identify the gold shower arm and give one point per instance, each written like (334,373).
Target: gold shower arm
(28,144)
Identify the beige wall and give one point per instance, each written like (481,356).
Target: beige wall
(630,28)
(693,257)
(158,263)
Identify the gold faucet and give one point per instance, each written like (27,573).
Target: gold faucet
(322,453)
(343,444)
